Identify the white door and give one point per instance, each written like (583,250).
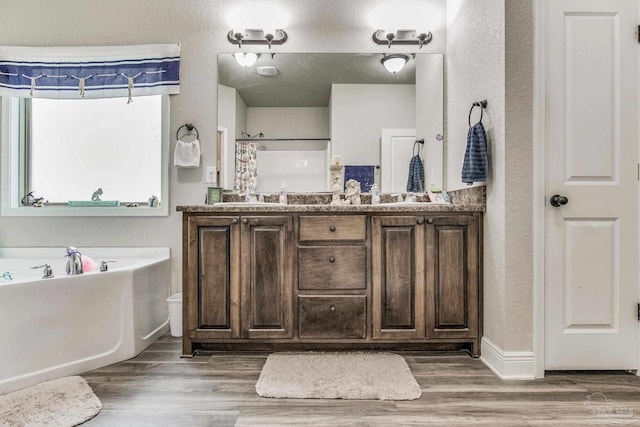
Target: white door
(395,154)
(591,249)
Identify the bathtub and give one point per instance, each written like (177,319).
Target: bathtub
(66,325)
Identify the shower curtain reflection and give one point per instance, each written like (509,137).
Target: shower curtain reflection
(246,176)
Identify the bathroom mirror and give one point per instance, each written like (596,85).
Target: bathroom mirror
(334,104)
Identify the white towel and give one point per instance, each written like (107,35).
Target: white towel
(187,154)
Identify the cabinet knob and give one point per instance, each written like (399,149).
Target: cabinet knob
(332,259)
(234,221)
(420,221)
(245,221)
(332,228)
(332,308)
(429,220)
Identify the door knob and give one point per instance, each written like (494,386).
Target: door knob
(557,200)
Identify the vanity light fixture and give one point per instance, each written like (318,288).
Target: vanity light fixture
(257,37)
(394,63)
(402,37)
(246,59)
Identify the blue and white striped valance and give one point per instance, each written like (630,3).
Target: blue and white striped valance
(89,71)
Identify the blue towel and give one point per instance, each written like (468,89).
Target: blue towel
(362,174)
(416,175)
(475,163)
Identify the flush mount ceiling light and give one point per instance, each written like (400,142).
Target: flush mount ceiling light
(246,59)
(394,63)
(402,37)
(257,37)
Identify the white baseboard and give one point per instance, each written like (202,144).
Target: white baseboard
(508,365)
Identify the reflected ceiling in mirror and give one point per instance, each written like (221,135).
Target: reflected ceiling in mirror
(304,80)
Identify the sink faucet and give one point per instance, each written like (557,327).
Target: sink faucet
(74,263)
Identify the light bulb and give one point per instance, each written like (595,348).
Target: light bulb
(246,59)
(394,63)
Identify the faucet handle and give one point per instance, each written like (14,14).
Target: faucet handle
(47,272)
(104,266)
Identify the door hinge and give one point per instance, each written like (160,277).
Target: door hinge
(639,311)
(638,33)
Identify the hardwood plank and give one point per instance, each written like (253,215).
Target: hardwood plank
(160,389)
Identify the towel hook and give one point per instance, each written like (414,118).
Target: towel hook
(190,128)
(482,104)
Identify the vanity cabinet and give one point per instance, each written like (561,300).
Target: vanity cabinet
(266,276)
(237,277)
(453,276)
(370,278)
(398,277)
(426,279)
(332,277)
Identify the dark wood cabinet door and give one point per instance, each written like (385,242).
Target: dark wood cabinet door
(266,276)
(398,277)
(212,282)
(452,276)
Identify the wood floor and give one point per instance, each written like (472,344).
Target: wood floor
(158,388)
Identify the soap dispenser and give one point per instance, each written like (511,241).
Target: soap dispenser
(282,199)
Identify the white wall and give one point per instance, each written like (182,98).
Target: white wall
(489,56)
(359,112)
(289,122)
(227,114)
(201,27)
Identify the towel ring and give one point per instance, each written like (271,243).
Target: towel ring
(482,104)
(418,143)
(190,128)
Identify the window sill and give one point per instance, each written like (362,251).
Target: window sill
(64,210)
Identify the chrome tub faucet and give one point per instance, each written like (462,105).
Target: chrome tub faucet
(74,263)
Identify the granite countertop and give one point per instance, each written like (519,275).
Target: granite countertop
(465,200)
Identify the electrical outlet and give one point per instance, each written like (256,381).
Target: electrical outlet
(210,174)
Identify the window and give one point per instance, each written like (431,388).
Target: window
(66,149)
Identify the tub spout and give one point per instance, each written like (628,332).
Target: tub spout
(74,263)
(47,273)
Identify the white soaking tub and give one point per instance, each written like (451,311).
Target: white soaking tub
(65,325)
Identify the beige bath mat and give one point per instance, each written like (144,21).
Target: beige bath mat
(359,376)
(63,402)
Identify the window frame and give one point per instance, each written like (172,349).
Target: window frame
(14,173)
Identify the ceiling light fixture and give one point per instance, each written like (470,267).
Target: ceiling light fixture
(402,37)
(246,59)
(394,63)
(257,37)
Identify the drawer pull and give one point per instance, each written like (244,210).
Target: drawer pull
(245,221)
(332,308)
(332,228)
(234,221)
(429,220)
(332,259)
(420,221)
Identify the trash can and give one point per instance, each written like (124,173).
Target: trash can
(175,314)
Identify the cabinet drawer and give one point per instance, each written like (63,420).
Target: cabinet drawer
(337,227)
(332,317)
(332,267)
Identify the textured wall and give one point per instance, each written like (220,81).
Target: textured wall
(519,72)
(490,56)
(475,71)
(201,27)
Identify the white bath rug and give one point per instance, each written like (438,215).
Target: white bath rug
(64,402)
(359,376)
